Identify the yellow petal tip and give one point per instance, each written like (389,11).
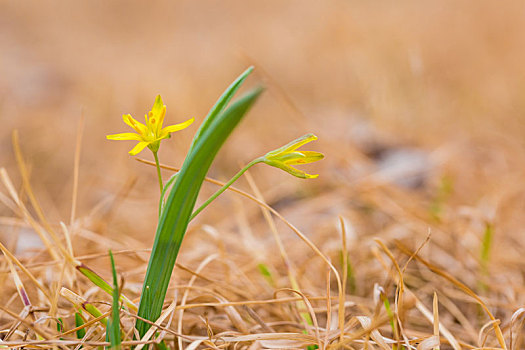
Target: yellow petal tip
(311,137)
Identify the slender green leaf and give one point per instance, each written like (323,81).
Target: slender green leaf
(180,203)
(265,272)
(79,322)
(166,188)
(219,106)
(93,311)
(486,244)
(95,278)
(60,325)
(102,284)
(113,328)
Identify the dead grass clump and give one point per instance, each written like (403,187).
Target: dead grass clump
(366,265)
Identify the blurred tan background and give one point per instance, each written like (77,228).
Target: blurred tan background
(445,78)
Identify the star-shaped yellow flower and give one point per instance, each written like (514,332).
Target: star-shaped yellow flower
(152,132)
(288,155)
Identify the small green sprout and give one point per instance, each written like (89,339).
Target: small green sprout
(113,327)
(78,323)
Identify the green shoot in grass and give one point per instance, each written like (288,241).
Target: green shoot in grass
(266,273)
(445,189)
(79,322)
(102,284)
(60,326)
(486,244)
(113,328)
(393,323)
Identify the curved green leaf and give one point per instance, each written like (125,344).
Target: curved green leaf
(219,106)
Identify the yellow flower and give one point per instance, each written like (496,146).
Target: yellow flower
(288,155)
(152,132)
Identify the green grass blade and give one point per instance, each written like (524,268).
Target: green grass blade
(96,313)
(79,322)
(166,188)
(266,273)
(95,278)
(220,105)
(113,328)
(180,204)
(60,325)
(102,284)
(486,244)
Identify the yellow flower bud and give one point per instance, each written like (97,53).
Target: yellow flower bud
(288,155)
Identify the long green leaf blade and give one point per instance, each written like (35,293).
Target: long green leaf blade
(79,322)
(113,328)
(102,284)
(180,203)
(220,105)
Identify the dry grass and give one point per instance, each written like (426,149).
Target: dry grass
(419,110)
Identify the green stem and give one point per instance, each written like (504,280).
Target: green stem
(163,193)
(158,171)
(225,187)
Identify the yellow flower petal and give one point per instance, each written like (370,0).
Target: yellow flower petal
(308,157)
(292,171)
(310,176)
(124,136)
(161,118)
(176,127)
(155,117)
(136,125)
(288,157)
(158,106)
(138,148)
(292,146)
